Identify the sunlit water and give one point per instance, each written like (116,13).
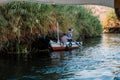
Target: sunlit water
(98,59)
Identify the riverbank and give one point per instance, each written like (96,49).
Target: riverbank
(22,22)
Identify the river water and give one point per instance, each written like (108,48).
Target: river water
(98,59)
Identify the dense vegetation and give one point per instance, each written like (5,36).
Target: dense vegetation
(22,22)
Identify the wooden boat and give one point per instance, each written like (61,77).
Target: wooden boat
(57,46)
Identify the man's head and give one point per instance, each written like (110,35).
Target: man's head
(70,29)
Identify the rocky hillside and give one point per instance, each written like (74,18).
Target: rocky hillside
(110,24)
(99,11)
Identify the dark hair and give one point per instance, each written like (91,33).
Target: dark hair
(69,29)
(64,33)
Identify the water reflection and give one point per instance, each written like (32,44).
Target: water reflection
(99,59)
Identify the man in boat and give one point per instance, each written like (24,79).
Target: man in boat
(64,38)
(69,34)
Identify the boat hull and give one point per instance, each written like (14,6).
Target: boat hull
(57,46)
(63,48)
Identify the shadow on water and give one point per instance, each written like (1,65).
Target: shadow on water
(16,68)
(16,56)
(92,42)
(37,68)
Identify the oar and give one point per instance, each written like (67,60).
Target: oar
(80,43)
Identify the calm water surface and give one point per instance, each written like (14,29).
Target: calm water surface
(99,59)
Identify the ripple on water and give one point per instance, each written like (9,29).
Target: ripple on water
(32,77)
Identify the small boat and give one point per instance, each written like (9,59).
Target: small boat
(58,46)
